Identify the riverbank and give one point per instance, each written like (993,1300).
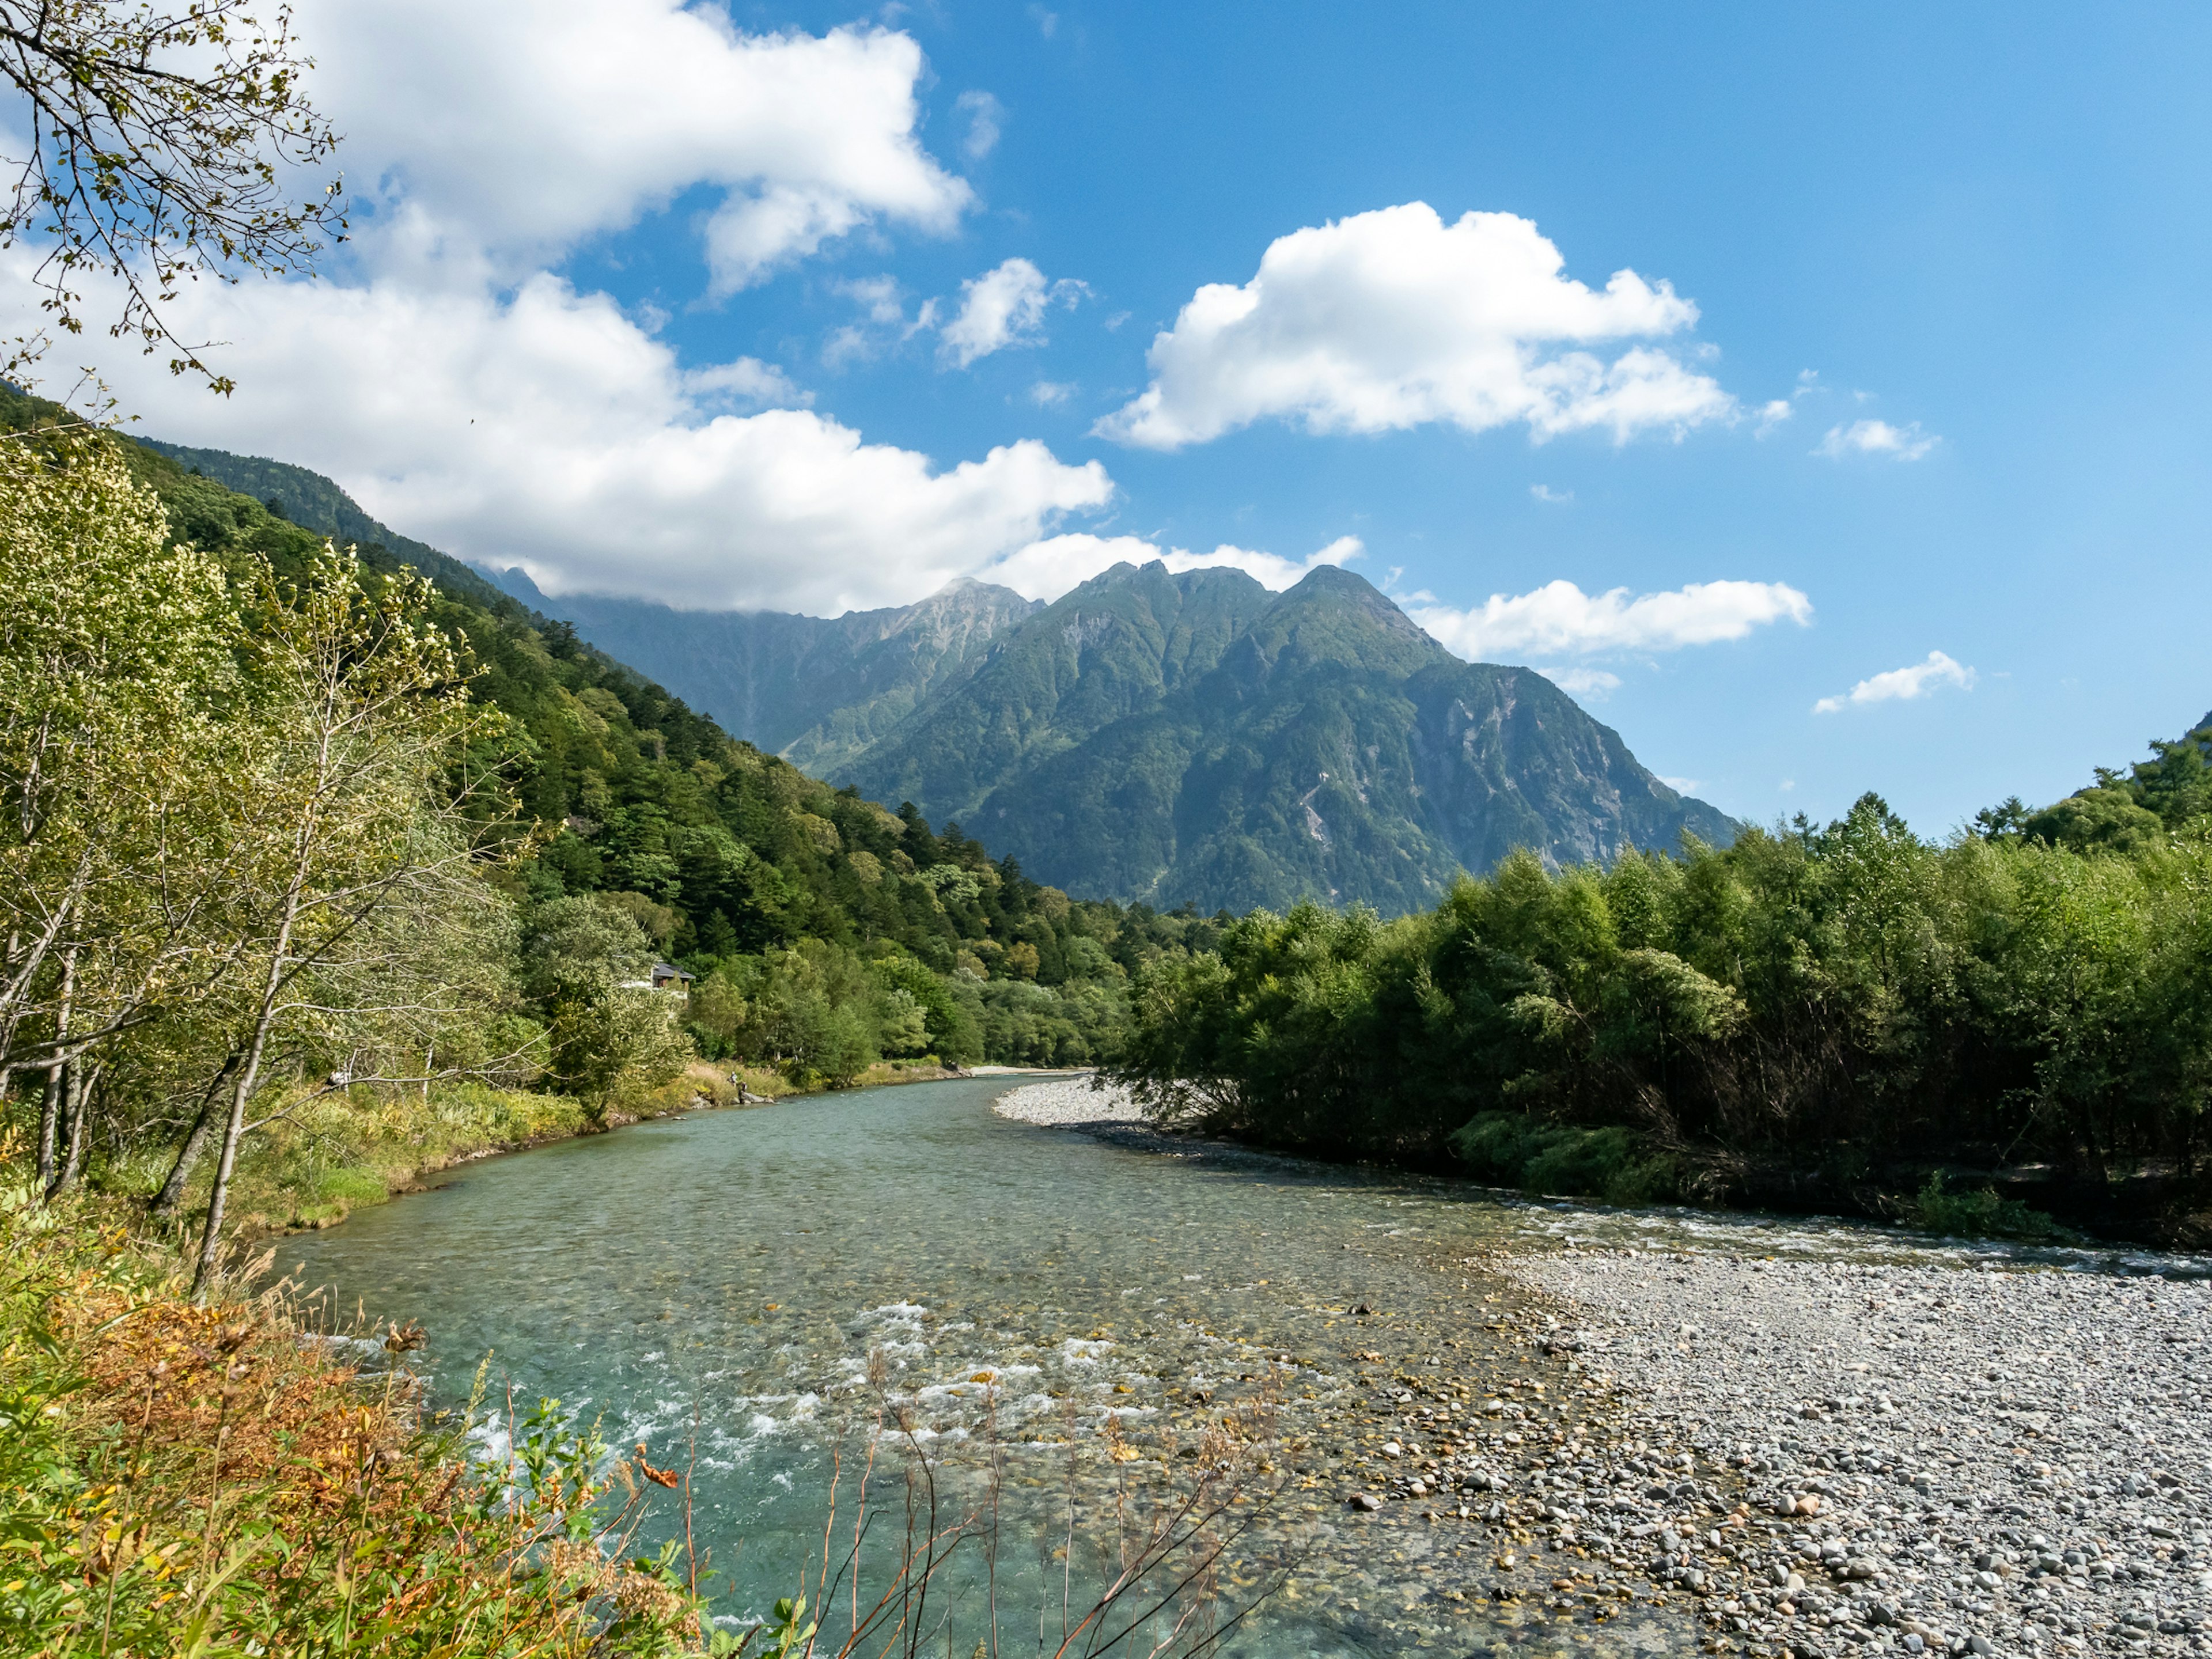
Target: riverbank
(1959,1453)
(1973,1459)
(176,1478)
(312,1169)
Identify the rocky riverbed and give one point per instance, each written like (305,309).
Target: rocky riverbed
(1068,1103)
(1812,1449)
(1993,1459)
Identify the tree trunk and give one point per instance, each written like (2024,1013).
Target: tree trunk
(50,1115)
(188,1156)
(50,1106)
(241,1091)
(76,1109)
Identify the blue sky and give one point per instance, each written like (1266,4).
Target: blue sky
(1983,227)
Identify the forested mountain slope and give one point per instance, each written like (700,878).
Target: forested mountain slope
(1181,739)
(1194,736)
(797,894)
(818,691)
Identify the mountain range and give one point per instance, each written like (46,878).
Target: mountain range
(1187,738)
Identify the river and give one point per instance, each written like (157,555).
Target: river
(714,1286)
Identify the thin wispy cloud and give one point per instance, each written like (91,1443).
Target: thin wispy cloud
(1593,683)
(987,118)
(1880,438)
(1546,493)
(1902,684)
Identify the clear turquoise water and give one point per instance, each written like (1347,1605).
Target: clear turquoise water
(728,1275)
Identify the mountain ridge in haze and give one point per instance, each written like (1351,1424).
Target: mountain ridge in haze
(818,691)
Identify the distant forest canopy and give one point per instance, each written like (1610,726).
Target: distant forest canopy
(1796,1015)
(759,860)
(1816,1015)
(824,931)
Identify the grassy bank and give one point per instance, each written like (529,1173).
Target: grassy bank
(331,1156)
(183,1479)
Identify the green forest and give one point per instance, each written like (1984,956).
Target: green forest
(1847,1015)
(321,868)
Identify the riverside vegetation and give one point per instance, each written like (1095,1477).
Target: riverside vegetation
(380,869)
(316,873)
(1848,1015)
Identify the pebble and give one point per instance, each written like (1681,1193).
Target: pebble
(1069,1103)
(1983,1461)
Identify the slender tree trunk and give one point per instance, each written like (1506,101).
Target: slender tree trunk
(249,1073)
(233,1131)
(76,1110)
(56,1078)
(50,1113)
(172,1195)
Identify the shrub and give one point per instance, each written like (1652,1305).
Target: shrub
(1516,1149)
(1980,1215)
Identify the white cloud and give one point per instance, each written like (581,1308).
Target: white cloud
(1772,413)
(1546,493)
(1051,394)
(1004,307)
(1560,618)
(986,117)
(550,431)
(535,123)
(1591,683)
(877,298)
(493,409)
(1900,443)
(1393,318)
(746,382)
(1682,786)
(1047,568)
(1902,684)
(1270,570)
(884,321)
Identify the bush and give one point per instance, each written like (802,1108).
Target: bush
(1980,1215)
(1514,1149)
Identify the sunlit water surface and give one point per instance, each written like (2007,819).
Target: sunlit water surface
(713,1286)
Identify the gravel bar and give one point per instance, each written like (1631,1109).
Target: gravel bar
(1068,1103)
(1977,1460)
(1935,1452)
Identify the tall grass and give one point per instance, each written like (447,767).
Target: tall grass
(207,1480)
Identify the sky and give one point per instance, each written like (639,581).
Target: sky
(1817,394)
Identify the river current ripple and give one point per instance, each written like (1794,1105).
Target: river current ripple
(713,1287)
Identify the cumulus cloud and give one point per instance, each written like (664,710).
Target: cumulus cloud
(1393,319)
(1560,618)
(537,124)
(466,394)
(1048,567)
(1897,443)
(745,382)
(1546,493)
(1902,684)
(1004,307)
(1051,394)
(548,430)
(985,117)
